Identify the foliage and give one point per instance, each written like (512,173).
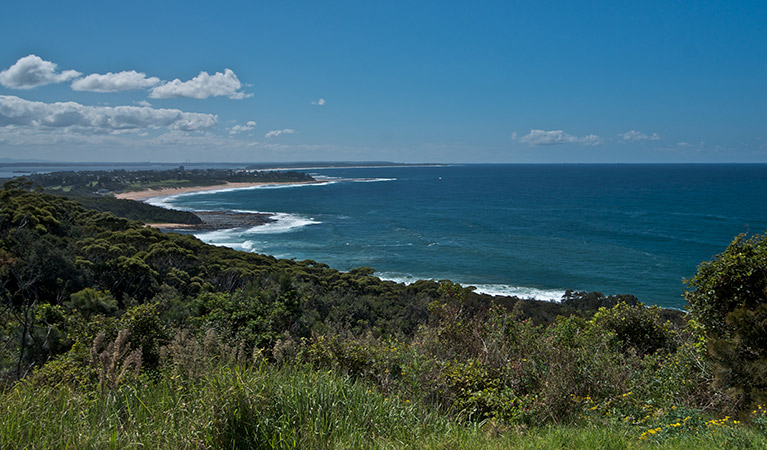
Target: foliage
(122,335)
(498,368)
(89,182)
(636,327)
(134,210)
(232,404)
(93,189)
(728,296)
(736,278)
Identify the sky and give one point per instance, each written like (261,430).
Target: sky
(426,81)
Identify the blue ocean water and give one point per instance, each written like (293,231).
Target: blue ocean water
(528,230)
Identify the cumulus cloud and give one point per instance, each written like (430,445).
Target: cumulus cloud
(639,136)
(554,137)
(115,82)
(319,102)
(275,133)
(32,71)
(203,86)
(242,128)
(74,116)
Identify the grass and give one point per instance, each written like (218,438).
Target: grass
(294,408)
(240,408)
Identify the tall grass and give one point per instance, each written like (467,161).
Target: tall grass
(292,408)
(227,407)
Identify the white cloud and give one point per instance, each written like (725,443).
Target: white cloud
(203,86)
(32,71)
(77,117)
(591,140)
(242,128)
(683,144)
(115,82)
(639,136)
(554,137)
(320,102)
(275,133)
(143,103)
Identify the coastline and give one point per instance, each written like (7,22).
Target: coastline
(165,192)
(211,220)
(219,220)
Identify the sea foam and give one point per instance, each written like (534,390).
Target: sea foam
(550,295)
(237,238)
(283,223)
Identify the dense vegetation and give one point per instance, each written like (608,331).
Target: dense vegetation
(112,334)
(88,182)
(94,189)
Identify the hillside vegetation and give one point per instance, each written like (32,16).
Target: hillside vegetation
(87,182)
(95,189)
(114,335)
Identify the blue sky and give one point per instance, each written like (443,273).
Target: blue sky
(421,81)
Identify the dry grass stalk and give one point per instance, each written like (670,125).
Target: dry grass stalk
(114,361)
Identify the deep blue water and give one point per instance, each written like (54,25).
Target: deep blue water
(531,230)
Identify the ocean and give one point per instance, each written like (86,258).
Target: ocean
(533,231)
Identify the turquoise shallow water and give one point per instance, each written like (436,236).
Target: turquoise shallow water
(529,230)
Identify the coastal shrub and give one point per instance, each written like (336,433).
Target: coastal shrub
(257,406)
(636,326)
(89,302)
(73,368)
(248,316)
(736,278)
(681,378)
(145,331)
(578,361)
(728,296)
(519,372)
(475,393)
(382,363)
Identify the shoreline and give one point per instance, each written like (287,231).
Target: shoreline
(218,220)
(215,220)
(166,192)
(248,220)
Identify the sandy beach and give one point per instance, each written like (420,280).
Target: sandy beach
(164,192)
(211,220)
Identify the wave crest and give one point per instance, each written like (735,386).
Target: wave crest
(524,292)
(283,223)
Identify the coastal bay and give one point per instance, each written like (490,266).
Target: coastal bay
(526,230)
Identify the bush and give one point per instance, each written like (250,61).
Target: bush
(728,296)
(636,327)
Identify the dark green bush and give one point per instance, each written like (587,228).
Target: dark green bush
(728,296)
(636,326)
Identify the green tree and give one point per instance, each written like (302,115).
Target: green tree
(636,326)
(728,296)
